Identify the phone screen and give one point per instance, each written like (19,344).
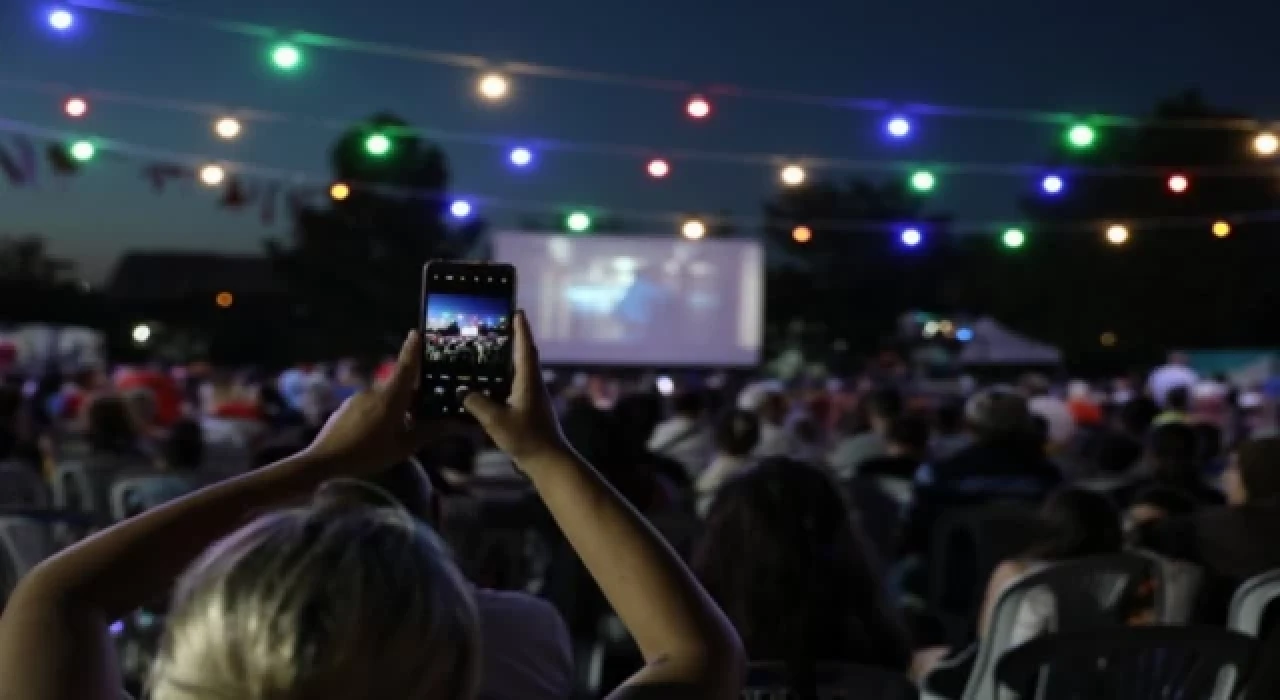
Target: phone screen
(466,333)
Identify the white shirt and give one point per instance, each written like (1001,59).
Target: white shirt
(683,440)
(1055,412)
(722,468)
(525,651)
(1168,378)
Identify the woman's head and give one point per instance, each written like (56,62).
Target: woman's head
(737,433)
(783,557)
(110,425)
(1081,524)
(336,601)
(1254,471)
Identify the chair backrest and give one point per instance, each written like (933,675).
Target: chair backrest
(72,488)
(136,494)
(835,681)
(1084,594)
(24,542)
(1251,600)
(1178,584)
(22,487)
(1134,663)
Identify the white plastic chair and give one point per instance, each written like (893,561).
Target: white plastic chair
(1083,594)
(1251,600)
(135,494)
(72,488)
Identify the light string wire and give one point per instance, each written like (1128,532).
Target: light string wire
(713,89)
(633,151)
(924,222)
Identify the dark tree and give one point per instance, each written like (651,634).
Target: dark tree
(854,276)
(353,267)
(1174,283)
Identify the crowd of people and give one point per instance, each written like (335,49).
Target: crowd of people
(311,542)
(488,351)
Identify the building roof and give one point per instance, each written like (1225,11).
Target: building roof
(167,275)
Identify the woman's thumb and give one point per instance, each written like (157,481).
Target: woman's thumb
(486,410)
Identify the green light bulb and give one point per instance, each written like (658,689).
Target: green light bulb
(1013,238)
(1081,136)
(923,181)
(83,151)
(377,145)
(286,57)
(578,222)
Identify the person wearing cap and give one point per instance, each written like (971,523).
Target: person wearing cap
(1232,543)
(1005,462)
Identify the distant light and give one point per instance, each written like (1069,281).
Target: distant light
(930,329)
(698,107)
(1117,234)
(83,151)
(227,128)
(898,127)
(693,229)
(212,175)
(61,19)
(224,300)
(76,107)
(964,335)
(286,57)
(665,385)
(141,333)
(521,157)
(578,221)
(493,86)
(923,181)
(1052,184)
(1108,339)
(1266,144)
(911,237)
(792,176)
(377,144)
(460,209)
(1081,136)
(1013,238)
(658,168)
(1221,229)
(339,191)
(801,234)
(1178,183)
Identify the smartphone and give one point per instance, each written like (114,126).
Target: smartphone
(465,320)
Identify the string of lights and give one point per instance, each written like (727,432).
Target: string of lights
(287,51)
(228,124)
(215,172)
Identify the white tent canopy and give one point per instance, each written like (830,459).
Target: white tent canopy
(993,344)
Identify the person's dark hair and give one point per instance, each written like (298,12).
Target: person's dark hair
(1172,450)
(407,482)
(737,433)
(689,403)
(1208,442)
(1178,399)
(791,569)
(184,448)
(911,432)
(110,426)
(1081,523)
(885,403)
(1172,501)
(1259,463)
(949,417)
(1137,414)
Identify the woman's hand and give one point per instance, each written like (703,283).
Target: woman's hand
(525,428)
(373,429)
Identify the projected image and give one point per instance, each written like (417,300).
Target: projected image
(468,334)
(640,300)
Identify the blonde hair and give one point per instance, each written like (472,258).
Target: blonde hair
(339,600)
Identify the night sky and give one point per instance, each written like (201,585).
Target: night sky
(1085,56)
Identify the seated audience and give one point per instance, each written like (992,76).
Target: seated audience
(906,446)
(776,438)
(949,436)
(790,568)
(736,436)
(524,645)
(1120,449)
(883,406)
(1177,406)
(1158,503)
(362,602)
(684,436)
(1006,462)
(1232,543)
(1171,461)
(1042,402)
